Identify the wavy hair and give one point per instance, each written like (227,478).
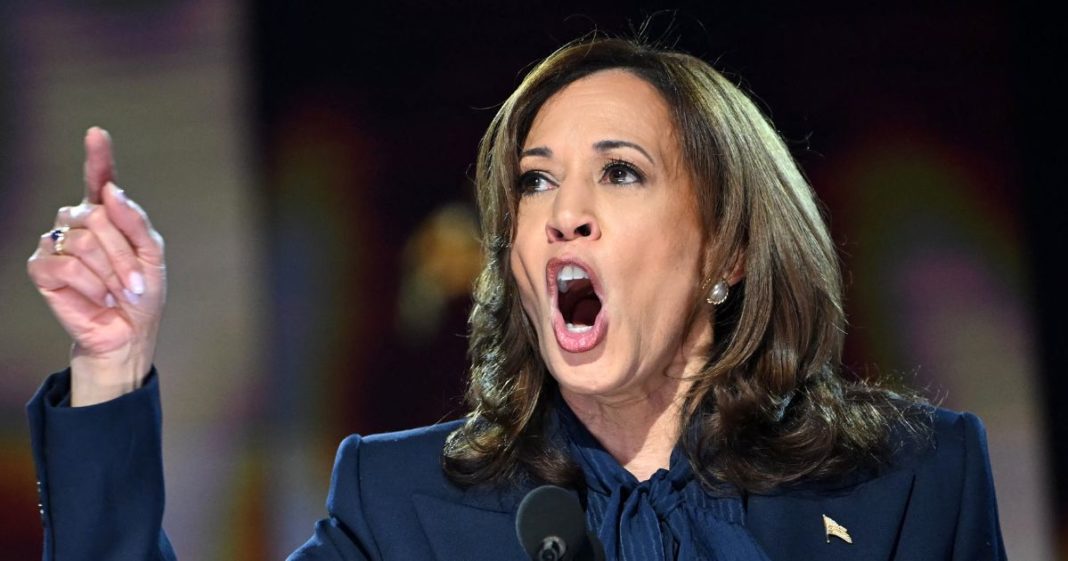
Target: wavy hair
(770,406)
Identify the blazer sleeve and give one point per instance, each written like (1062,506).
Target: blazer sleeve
(344,535)
(978,533)
(99,474)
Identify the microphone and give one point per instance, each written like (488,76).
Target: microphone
(551,526)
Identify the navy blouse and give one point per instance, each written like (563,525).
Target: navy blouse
(671,516)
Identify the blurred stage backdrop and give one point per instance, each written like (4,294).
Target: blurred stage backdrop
(309,169)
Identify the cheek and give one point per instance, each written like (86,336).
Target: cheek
(521,260)
(659,245)
(523,285)
(663,262)
(525,249)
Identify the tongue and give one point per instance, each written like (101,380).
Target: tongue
(585,310)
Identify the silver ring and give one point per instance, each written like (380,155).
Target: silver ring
(58,236)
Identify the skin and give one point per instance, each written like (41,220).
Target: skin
(108,287)
(634,224)
(640,234)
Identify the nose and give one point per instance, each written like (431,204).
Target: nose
(573,215)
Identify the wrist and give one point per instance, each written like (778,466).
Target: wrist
(96,379)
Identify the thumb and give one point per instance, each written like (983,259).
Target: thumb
(133,222)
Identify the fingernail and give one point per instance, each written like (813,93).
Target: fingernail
(137,283)
(119,194)
(109,301)
(130,296)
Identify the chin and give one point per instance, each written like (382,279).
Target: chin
(584,375)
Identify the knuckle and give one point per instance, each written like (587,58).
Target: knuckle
(80,212)
(95,255)
(69,267)
(95,218)
(110,281)
(77,243)
(122,253)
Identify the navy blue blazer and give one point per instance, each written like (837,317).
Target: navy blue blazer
(101,488)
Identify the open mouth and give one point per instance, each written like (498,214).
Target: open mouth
(576,298)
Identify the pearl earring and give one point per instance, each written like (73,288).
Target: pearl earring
(719,293)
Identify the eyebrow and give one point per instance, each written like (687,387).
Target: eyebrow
(606,145)
(601,146)
(542,151)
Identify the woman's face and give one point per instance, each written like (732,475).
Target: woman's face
(607,248)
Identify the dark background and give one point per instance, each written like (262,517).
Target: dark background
(364,121)
(983,76)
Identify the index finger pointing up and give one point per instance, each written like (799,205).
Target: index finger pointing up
(99,163)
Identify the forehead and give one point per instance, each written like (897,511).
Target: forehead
(607,104)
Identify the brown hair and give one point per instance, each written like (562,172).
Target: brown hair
(770,407)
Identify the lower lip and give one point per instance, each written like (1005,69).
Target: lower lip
(579,342)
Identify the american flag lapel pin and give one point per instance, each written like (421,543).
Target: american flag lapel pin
(835,529)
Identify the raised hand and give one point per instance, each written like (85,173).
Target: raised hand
(101,270)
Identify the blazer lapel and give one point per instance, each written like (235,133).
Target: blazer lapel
(462,532)
(791,525)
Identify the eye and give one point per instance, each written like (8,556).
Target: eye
(534,182)
(620,172)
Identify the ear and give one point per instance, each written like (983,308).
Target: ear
(736,273)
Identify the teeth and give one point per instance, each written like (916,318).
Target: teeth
(578,328)
(567,274)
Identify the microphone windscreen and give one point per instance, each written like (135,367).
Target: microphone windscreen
(550,511)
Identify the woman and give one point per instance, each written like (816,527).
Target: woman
(658,327)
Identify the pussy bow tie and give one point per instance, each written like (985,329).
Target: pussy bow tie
(668,517)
